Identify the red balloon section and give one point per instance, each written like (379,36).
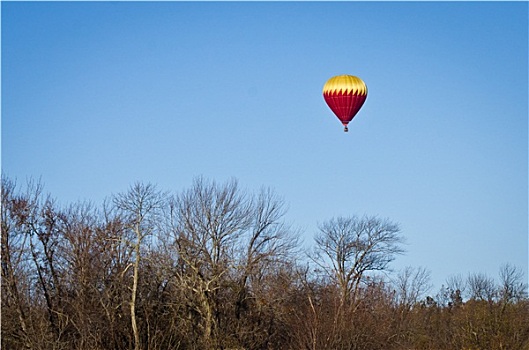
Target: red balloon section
(344,105)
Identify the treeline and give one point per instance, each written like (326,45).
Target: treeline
(216,267)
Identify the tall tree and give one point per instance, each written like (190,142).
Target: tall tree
(225,237)
(512,288)
(140,207)
(348,247)
(481,286)
(14,243)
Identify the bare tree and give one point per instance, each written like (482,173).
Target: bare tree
(411,284)
(456,282)
(226,240)
(267,241)
(456,287)
(140,207)
(116,257)
(481,287)
(44,226)
(512,288)
(208,220)
(348,247)
(32,228)
(14,245)
(263,261)
(92,281)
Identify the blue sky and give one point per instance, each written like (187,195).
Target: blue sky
(98,95)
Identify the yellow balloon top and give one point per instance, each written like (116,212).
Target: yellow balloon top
(345,84)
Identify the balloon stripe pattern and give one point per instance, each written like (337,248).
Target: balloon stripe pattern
(345,95)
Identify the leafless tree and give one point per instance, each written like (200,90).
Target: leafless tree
(32,228)
(14,209)
(115,256)
(348,247)
(411,284)
(94,287)
(512,288)
(456,282)
(209,218)
(266,243)
(226,239)
(481,287)
(140,207)
(456,287)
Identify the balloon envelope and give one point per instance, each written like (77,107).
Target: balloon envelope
(345,95)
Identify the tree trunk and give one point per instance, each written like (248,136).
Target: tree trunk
(134,292)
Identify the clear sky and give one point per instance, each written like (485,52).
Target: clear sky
(98,95)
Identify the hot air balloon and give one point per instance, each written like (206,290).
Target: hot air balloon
(345,95)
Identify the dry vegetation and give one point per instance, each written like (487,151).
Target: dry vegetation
(215,267)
